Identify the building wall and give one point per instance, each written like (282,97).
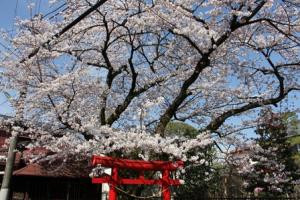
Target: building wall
(42,188)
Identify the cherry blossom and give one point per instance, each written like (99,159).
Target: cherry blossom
(113,81)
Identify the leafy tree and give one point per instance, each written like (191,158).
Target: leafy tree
(181,129)
(290,119)
(200,179)
(293,123)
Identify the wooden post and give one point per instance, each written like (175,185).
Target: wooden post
(105,186)
(112,186)
(4,192)
(166,193)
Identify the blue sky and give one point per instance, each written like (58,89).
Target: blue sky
(9,11)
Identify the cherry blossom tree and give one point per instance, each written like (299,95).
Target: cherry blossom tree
(108,76)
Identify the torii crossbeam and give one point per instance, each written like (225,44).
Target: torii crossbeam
(164,166)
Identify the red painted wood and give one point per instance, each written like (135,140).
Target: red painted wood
(166,192)
(136,164)
(135,181)
(164,166)
(112,186)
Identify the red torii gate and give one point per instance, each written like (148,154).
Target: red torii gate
(164,166)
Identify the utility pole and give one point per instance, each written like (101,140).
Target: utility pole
(4,192)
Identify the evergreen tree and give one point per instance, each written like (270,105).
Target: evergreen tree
(272,171)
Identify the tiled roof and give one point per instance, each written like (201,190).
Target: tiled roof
(60,169)
(57,168)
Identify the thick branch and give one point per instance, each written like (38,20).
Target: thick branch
(217,122)
(131,95)
(183,94)
(202,64)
